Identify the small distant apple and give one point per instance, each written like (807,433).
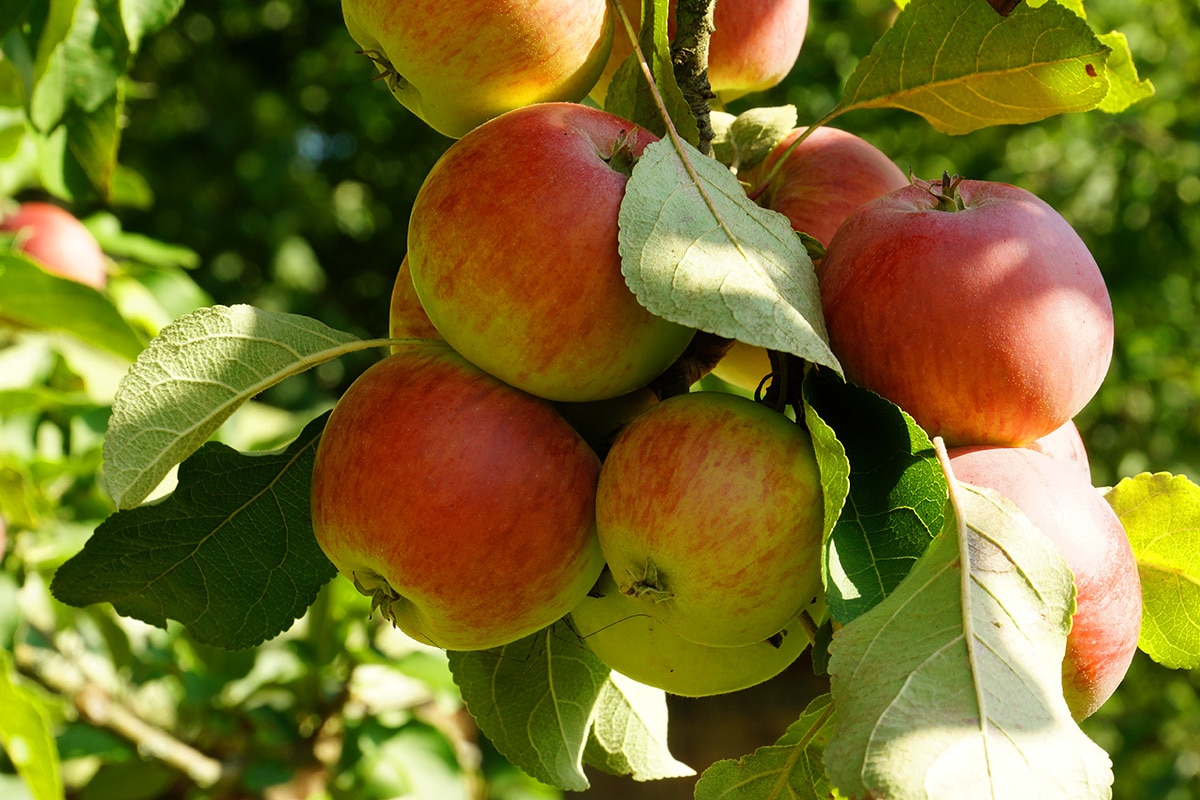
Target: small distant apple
(513,248)
(1072,514)
(710,515)
(635,644)
(457,65)
(58,241)
(463,507)
(406,316)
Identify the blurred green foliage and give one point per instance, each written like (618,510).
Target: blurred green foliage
(269,150)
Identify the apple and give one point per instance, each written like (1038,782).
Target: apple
(709,513)
(972,305)
(754,44)
(456,65)
(816,186)
(462,506)
(406,317)
(1065,444)
(513,249)
(58,241)
(626,639)
(1072,513)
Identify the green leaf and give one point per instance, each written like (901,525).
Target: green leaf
(1161,516)
(962,66)
(32,297)
(96,54)
(193,376)
(93,138)
(28,736)
(897,493)
(1125,87)
(746,140)
(231,553)
(696,251)
(629,732)
(547,703)
(144,17)
(791,768)
(631,97)
(534,700)
(955,679)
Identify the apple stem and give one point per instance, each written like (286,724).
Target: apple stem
(647,584)
(946,192)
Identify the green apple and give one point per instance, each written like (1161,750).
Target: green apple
(456,65)
(462,506)
(616,628)
(514,255)
(709,512)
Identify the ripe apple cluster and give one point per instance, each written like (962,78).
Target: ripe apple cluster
(510,464)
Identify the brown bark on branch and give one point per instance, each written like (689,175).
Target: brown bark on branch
(689,58)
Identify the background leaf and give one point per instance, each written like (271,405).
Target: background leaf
(1161,515)
(231,553)
(698,252)
(897,494)
(1125,87)
(193,376)
(629,732)
(791,768)
(955,679)
(27,736)
(31,296)
(962,66)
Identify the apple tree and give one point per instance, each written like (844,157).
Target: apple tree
(547,499)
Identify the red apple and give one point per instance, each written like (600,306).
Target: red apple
(59,242)
(753,47)
(709,512)
(456,65)
(818,184)
(463,507)
(640,647)
(1072,514)
(406,317)
(973,306)
(513,249)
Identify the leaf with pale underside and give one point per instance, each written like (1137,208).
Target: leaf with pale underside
(952,686)
(746,140)
(790,769)
(193,376)
(696,251)
(962,66)
(549,705)
(1161,516)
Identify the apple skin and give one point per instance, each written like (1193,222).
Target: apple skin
(710,516)
(463,506)
(456,65)
(513,249)
(406,317)
(990,325)
(1064,443)
(754,45)
(58,241)
(638,646)
(1073,514)
(827,176)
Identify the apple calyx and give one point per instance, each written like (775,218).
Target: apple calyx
(387,73)
(623,158)
(648,584)
(384,598)
(946,193)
